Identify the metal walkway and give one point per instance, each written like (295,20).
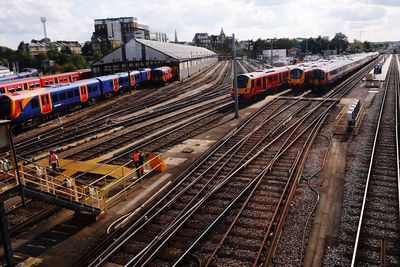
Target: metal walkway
(64,190)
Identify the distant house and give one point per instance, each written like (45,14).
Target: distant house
(69,46)
(212,41)
(36,47)
(202,39)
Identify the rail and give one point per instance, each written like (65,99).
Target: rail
(371,164)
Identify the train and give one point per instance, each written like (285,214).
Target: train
(313,75)
(254,84)
(299,77)
(27,72)
(327,74)
(30,105)
(163,74)
(33,82)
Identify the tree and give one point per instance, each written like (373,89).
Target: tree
(21,46)
(340,42)
(367,46)
(87,49)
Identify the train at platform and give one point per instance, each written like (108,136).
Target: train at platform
(33,105)
(256,84)
(30,83)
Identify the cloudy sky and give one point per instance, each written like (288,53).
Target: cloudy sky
(378,20)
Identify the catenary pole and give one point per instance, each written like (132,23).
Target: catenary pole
(235,86)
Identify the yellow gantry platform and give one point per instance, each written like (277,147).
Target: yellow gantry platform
(100,193)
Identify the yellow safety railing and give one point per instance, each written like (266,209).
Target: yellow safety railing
(50,182)
(91,194)
(118,188)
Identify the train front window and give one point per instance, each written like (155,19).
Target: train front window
(242,81)
(296,74)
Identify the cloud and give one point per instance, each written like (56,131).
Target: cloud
(73,20)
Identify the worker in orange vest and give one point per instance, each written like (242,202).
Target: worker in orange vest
(138,161)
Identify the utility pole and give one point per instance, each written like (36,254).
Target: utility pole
(235,86)
(272,61)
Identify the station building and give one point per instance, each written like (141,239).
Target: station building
(140,53)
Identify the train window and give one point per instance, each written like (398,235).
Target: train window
(264,82)
(258,82)
(269,79)
(111,83)
(63,96)
(34,103)
(46,82)
(94,87)
(55,98)
(76,92)
(20,106)
(242,81)
(90,89)
(19,88)
(2,90)
(70,94)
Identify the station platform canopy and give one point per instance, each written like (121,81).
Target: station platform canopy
(140,50)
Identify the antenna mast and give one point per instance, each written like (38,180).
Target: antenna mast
(43,20)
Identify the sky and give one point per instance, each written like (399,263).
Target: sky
(372,20)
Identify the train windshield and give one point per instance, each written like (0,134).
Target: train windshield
(242,81)
(296,74)
(317,75)
(5,107)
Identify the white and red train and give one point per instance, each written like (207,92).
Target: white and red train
(312,75)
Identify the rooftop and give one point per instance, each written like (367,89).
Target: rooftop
(177,51)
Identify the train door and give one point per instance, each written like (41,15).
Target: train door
(258,85)
(264,83)
(45,104)
(115,84)
(83,93)
(148,75)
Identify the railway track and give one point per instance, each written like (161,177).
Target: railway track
(378,233)
(233,180)
(223,177)
(101,123)
(117,141)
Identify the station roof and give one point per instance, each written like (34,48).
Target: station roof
(143,50)
(177,51)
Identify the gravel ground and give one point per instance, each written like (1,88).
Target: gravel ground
(23,214)
(289,247)
(339,253)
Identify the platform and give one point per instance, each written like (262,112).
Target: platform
(385,61)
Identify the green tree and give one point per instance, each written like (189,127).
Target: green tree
(340,42)
(367,46)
